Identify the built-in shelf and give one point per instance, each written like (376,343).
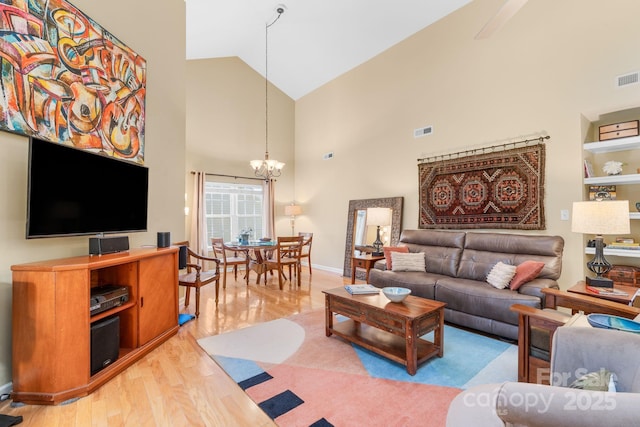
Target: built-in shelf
(613,179)
(611,146)
(628,253)
(619,144)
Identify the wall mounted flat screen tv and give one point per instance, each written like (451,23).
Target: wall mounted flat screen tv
(77,192)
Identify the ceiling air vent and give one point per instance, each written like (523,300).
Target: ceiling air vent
(423,131)
(627,79)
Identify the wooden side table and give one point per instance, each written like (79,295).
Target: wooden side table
(363,261)
(535,370)
(581,288)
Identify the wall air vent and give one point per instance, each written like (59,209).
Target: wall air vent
(417,133)
(627,79)
(327,156)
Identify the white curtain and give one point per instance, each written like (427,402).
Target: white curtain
(198,236)
(269,208)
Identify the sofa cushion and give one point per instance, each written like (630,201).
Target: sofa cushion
(443,249)
(483,250)
(481,299)
(525,272)
(500,275)
(421,284)
(407,261)
(387,253)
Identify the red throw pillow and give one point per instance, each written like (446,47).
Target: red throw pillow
(387,253)
(525,272)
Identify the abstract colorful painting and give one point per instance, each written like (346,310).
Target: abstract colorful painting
(66,79)
(503,189)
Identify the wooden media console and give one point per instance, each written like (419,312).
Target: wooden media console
(52,320)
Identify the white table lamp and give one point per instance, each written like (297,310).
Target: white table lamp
(599,218)
(378,217)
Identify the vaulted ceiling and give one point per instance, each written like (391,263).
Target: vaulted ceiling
(313,42)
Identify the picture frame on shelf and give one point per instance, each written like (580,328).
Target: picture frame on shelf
(602,192)
(588,169)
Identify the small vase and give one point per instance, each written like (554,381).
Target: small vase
(638,206)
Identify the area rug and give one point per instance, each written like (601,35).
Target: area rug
(300,377)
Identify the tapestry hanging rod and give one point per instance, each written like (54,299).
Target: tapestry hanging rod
(230,176)
(481,150)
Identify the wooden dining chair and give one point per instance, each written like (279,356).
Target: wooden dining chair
(287,254)
(230,257)
(196,275)
(306,247)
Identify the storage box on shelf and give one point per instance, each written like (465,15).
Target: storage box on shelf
(619,130)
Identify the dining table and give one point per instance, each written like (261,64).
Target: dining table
(259,254)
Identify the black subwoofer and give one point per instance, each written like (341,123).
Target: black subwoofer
(105,343)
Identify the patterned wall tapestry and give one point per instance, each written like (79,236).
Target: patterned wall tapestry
(67,79)
(502,189)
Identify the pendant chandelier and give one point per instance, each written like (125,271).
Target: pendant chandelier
(267,168)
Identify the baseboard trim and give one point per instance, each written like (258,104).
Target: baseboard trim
(6,388)
(325,268)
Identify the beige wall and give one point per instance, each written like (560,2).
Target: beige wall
(551,66)
(550,70)
(158,34)
(226,126)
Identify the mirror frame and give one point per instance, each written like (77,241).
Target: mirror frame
(394,203)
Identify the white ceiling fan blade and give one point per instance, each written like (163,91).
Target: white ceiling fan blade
(506,12)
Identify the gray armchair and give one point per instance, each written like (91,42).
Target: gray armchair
(576,351)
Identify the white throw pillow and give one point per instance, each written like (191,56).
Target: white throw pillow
(408,261)
(501,274)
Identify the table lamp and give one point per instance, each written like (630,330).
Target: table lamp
(599,218)
(379,217)
(292,211)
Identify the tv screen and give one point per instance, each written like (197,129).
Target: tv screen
(76,192)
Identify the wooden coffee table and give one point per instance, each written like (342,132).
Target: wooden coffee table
(392,330)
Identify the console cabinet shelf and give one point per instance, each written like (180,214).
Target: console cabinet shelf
(52,323)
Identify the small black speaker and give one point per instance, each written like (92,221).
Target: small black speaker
(164,239)
(105,343)
(182,257)
(108,245)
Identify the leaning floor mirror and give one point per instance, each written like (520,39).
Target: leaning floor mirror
(361,236)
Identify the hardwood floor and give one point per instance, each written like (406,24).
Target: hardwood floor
(178,384)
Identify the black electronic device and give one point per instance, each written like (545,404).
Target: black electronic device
(108,296)
(105,343)
(77,192)
(164,239)
(108,245)
(182,257)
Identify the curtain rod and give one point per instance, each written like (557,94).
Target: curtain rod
(481,150)
(229,176)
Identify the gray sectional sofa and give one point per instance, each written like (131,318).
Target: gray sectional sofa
(457,264)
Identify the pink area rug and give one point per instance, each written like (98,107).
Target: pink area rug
(300,377)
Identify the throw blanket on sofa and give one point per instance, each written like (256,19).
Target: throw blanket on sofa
(503,189)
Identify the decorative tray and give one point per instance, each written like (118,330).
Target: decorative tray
(613,322)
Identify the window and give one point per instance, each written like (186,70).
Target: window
(231,208)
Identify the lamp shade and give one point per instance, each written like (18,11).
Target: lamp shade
(601,217)
(379,216)
(292,210)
